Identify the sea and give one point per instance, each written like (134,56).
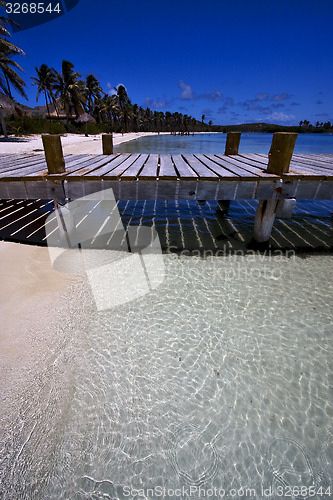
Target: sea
(214,143)
(215,381)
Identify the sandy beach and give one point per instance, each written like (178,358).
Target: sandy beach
(71,143)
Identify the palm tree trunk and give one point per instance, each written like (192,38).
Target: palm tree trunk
(55,107)
(3,124)
(8,87)
(47,105)
(67,121)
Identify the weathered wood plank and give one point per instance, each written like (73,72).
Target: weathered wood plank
(90,167)
(230,164)
(309,172)
(322,158)
(117,171)
(312,163)
(325,191)
(13,189)
(207,189)
(15,161)
(313,168)
(218,167)
(21,173)
(184,170)
(44,189)
(301,167)
(149,170)
(167,169)
(133,170)
(201,170)
(252,166)
(113,162)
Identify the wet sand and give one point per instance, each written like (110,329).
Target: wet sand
(35,308)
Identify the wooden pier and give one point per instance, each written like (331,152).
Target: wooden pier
(270,178)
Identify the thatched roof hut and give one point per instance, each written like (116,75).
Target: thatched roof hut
(85,118)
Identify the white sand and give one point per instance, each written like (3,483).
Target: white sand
(71,143)
(37,305)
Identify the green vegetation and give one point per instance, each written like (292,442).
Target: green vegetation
(271,128)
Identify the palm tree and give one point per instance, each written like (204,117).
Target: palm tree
(93,93)
(108,107)
(69,91)
(124,104)
(45,80)
(8,75)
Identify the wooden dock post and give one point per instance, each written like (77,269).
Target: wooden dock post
(55,165)
(280,154)
(231,148)
(264,220)
(285,208)
(232,144)
(107,142)
(281,151)
(53,154)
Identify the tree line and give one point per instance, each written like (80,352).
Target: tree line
(305,124)
(72,96)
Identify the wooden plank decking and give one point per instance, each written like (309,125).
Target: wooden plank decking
(144,176)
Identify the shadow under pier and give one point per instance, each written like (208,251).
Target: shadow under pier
(188,226)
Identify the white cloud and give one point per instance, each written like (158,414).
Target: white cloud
(216,95)
(261,97)
(281,117)
(187,92)
(229,101)
(281,97)
(155,103)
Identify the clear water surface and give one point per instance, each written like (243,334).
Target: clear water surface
(214,143)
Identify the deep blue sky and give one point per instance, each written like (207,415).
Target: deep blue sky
(234,61)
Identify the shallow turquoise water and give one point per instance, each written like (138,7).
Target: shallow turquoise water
(215,144)
(220,379)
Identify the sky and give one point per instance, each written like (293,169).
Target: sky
(234,61)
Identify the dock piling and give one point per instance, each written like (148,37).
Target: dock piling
(285,208)
(281,151)
(55,165)
(107,143)
(279,157)
(232,144)
(231,148)
(264,220)
(53,154)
